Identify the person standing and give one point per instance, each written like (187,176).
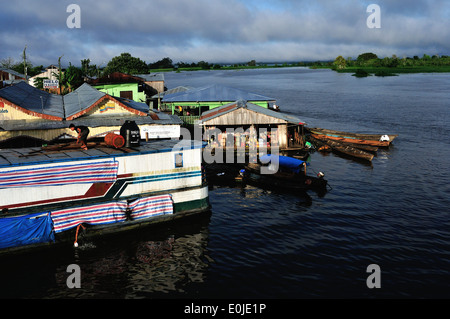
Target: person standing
(83,132)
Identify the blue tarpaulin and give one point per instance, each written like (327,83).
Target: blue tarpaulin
(26,230)
(293,164)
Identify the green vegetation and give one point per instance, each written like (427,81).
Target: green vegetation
(360,73)
(9,63)
(126,63)
(369,63)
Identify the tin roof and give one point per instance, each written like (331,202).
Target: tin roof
(20,75)
(82,97)
(178,89)
(42,104)
(34,101)
(214,93)
(227,108)
(151,77)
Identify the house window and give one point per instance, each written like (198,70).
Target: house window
(126,94)
(179,160)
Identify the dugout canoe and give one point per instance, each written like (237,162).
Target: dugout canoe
(366,148)
(380,140)
(345,148)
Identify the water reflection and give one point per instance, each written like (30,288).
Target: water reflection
(169,266)
(155,260)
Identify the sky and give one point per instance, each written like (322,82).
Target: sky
(220,31)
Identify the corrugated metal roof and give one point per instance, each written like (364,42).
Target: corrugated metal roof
(13,72)
(33,99)
(214,93)
(151,76)
(224,109)
(178,89)
(133,104)
(81,98)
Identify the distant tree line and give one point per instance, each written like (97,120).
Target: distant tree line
(370,59)
(73,76)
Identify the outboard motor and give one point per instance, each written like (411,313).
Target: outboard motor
(131,133)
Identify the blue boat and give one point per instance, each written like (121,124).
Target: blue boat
(292,164)
(283,173)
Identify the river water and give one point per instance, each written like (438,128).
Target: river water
(393,213)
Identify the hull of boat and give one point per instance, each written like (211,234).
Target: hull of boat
(103,190)
(380,140)
(345,148)
(281,181)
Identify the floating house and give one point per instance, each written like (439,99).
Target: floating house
(154,80)
(190,104)
(138,88)
(239,123)
(30,114)
(157,98)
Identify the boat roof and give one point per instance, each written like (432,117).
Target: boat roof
(39,155)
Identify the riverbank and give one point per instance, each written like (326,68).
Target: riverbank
(233,67)
(389,71)
(377,71)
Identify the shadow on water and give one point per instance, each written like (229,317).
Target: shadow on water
(154,261)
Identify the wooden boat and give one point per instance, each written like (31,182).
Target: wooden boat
(346,149)
(46,194)
(381,140)
(366,148)
(286,177)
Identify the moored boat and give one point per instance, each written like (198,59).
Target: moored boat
(366,148)
(346,149)
(47,194)
(380,140)
(283,173)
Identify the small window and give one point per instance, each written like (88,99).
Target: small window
(126,94)
(179,160)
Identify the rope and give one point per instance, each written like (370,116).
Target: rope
(76,234)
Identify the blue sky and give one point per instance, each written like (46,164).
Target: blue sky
(219,31)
